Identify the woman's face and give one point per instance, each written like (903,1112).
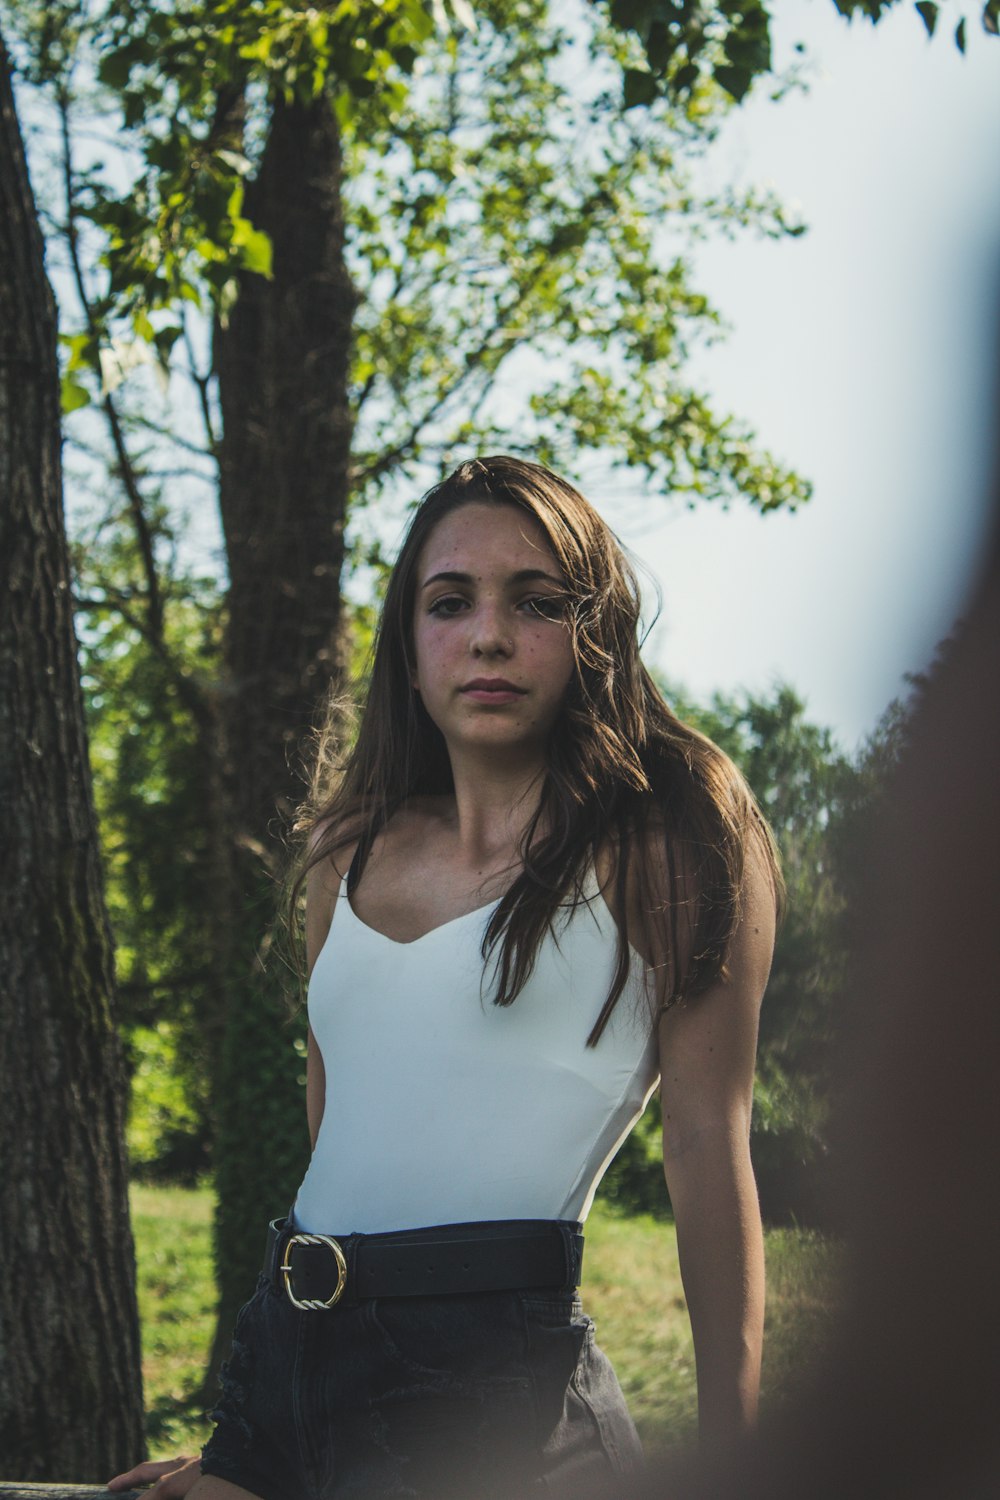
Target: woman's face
(493,655)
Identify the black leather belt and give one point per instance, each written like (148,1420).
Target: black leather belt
(318,1271)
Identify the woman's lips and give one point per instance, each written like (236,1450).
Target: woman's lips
(484,691)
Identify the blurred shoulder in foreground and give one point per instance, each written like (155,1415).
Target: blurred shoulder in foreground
(905,1404)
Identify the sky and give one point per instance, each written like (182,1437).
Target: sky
(864,353)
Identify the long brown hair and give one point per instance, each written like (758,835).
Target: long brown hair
(623,772)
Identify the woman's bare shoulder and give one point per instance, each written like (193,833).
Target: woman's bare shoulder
(752,947)
(336,841)
(334,838)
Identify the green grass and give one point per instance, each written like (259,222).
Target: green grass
(632,1288)
(173,1242)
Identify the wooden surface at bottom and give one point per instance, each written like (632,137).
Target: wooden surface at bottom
(22,1491)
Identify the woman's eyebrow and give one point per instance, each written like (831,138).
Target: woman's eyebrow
(523,575)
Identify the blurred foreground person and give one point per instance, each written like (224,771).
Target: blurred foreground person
(906,1403)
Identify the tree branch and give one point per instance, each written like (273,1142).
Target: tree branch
(154,602)
(174,438)
(201,381)
(187,687)
(473,360)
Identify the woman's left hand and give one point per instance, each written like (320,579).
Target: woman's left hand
(173,1478)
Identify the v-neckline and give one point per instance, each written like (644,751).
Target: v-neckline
(412,942)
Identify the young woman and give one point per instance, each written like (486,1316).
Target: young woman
(531,894)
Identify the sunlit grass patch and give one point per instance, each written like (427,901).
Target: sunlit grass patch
(173,1238)
(632,1288)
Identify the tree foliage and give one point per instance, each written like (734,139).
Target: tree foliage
(499,211)
(685,42)
(188,79)
(152,781)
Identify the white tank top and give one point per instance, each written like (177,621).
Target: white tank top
(444,1108)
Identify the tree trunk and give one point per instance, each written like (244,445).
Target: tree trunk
(70,1373)
(282,363)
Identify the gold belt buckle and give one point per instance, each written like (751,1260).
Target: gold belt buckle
(338,1255)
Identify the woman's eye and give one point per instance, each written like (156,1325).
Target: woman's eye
(448,604)
(548,606)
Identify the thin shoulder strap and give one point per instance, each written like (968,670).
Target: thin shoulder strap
(362,852)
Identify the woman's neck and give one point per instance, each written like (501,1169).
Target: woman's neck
(493,805)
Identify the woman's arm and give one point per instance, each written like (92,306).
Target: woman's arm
(707,1051)
(315,1089)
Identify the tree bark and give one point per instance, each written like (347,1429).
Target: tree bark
(70,1371)
(282,364)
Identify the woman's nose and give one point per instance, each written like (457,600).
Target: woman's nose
(490,635)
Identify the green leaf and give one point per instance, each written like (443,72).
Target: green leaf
(344,108)
(685,78)
(82,351)
(73,395)
(169,152)
(114,69)
(142,327)
(735,81)
(748,50)
(254,247)
(421,22)
(660,47)
(928,13)
(640,88)
(406,57)
(960,35)
(259,50)
(234,202)
(991,17)
(165,339)
(630,14)
(133,106)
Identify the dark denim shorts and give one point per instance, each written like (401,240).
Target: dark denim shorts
(492,1396)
